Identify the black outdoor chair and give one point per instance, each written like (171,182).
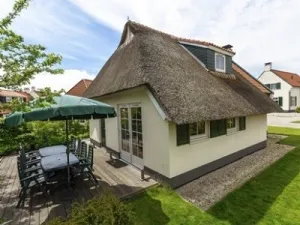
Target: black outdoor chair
(29,160)
(29,178)
(72,145)
(77,152)
(86,163)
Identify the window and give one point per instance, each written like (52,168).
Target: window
(278,100)
(217,128)
(197,128)
(8,99)
(242,123)
(275,86)
(219,62)
(183,136)
(231,123)
(293,101)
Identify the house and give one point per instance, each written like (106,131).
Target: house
(285,85)
(79,88)
(183,107)
(7,96)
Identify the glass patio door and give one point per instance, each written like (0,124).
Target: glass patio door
(131,136)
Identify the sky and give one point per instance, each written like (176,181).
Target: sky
(86,32)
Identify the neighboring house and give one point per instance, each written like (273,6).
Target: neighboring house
(183,107)
(252,79)
(79,88)
(7,96)
(285,86)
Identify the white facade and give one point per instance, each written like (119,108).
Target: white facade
(161,152)
(286,91)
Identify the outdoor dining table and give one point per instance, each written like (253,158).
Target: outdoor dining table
(52,150)
(57,162)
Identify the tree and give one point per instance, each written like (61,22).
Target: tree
(19,62)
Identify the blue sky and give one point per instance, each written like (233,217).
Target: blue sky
(86,32)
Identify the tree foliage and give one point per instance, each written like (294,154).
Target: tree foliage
(19,61)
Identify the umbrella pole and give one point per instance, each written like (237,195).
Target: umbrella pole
(68,150)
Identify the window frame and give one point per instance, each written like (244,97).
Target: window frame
(232,129)
(8,99)
(199,137)
(218,69)
(293,100)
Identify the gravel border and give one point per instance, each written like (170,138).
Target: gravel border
(211,188)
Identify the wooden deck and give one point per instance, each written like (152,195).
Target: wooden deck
(124,180)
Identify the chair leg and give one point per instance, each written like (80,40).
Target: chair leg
(93,176)
(22,196)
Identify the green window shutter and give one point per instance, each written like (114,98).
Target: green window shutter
(278,85)
(182,133)
(242,123)
(214,128)
(222,127)
(280,101)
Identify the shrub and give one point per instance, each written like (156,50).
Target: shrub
(106,209)
(297,110)
(38,134)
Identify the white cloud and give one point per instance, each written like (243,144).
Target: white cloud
(62,81)
(259,30)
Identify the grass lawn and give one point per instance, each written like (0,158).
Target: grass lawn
(297,121)
(283,130)
(293,140)
(272,197)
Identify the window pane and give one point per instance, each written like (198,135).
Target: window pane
(242,123)
(134,138)
(139,113)
(201,127)
(140,151)
(134,125)
(222,127)
(140,139)
(231,123)
(220,61)
(133,113)
(139,126)
(193,129)
(135,150)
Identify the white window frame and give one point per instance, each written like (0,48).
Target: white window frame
(294,100)
(8,99)
(194,139)
(218,69)
(233,129)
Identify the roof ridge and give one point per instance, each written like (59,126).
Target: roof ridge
(189,40)
(285,72)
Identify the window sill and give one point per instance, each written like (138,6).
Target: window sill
(198,139)
(232,131)
(220,70)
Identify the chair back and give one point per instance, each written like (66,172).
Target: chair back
(90,156)
(22,155)
(20,171)
(72,145)
(78,148)
(83,152)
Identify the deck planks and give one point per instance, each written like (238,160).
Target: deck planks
(123,181)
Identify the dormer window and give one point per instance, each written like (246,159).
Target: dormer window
(219,62)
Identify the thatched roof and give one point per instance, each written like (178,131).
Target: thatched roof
(185,90)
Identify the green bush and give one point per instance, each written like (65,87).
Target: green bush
(38,134)
(105,209)
(297,110)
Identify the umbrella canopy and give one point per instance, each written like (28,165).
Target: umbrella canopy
(65,107)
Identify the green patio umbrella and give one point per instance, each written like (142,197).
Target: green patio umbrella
(66,107)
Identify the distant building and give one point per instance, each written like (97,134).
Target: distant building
(285,86)
(7,96)
(79,88)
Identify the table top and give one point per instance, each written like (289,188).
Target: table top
(52,150)
(57,161)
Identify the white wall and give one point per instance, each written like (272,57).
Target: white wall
(95,131)
(268,77)
(155,129)
(295,91)
(187,157)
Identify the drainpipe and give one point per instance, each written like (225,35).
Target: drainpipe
(289,101)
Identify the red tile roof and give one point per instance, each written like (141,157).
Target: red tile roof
(79,88)
(250,78)
(192,41)
(10,93)
(291,78)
